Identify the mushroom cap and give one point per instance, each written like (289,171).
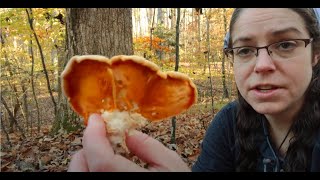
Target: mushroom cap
(94,84)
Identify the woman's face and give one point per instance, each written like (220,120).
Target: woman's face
(272,85)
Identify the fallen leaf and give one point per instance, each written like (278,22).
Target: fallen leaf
(76,142)
(4,166)
(45,159)
(48,139)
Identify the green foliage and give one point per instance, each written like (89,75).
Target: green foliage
(169,35)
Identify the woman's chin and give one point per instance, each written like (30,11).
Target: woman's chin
(267,108)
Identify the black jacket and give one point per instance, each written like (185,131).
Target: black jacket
(219,150)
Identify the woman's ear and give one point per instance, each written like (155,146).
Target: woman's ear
(316,59)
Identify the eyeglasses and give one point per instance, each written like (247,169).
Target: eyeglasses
(279,50)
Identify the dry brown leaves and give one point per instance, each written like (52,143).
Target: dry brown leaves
(45,153)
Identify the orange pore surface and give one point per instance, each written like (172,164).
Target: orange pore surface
(94,84)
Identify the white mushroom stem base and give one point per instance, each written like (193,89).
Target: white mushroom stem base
(117,123)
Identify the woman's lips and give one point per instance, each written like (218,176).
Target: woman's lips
(265,91)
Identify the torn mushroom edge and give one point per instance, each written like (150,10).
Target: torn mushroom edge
(137,59)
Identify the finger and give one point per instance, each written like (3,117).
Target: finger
(78,163)
(98,150)
(154,153)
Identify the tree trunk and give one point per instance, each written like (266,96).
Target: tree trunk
(12,116)
(199,54)
(15,96)
(208,56)
(100,31)
(25,104)
(176,68)
(173,18)
(185,38)
(33,89)
(135,22)
(144,23)
(225,89)
(104,31)
(150,15)
(160,23)
(193,34)
(4,130)
(152,28)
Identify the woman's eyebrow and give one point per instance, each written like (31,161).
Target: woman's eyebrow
(242,39)
(278,32)
(285,30)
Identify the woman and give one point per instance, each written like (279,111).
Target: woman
(273,126)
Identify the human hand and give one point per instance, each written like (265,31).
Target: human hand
(97,153)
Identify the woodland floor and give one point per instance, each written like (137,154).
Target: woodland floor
(46,153)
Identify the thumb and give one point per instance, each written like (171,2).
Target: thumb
(154,152)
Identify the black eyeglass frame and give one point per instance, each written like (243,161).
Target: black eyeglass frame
(228,51)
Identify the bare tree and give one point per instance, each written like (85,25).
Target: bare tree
(25,102)
(225,89)
(152,28)
(3,128)
(13,119)
(176,68)
(208,57)
(33,88)
(30,19)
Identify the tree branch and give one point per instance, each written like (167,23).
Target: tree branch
(30,19)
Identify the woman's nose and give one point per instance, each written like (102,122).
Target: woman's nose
(264,62)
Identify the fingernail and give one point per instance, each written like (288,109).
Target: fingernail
(93,118)
(132,132)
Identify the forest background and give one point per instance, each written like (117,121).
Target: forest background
(39,131)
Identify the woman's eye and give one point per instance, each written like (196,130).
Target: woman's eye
(245,51)
(286,45)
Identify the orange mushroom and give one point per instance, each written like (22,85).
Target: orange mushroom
(127,90)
